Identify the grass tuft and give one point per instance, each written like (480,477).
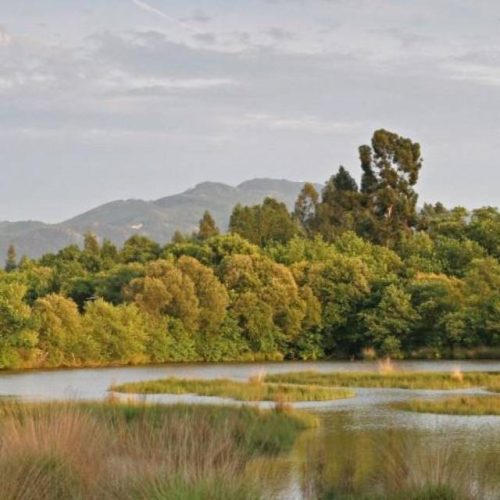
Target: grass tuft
(110,450)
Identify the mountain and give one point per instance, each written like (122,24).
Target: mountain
(158,219)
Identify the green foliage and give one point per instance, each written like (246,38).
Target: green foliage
(352,270)
(120,332)
(17,333)
(263,224)
(11,262)
(207,227)
(59,330)
(139,249)
(390,321)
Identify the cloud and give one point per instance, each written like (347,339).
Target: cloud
(153,10)
(5,38)
(120,81)
(198,16)
(476,73)
(208,38)
(279,34)
(310,124)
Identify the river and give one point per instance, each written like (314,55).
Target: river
(359,439)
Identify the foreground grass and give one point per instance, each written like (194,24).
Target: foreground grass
(101,451)
(402,380)
(250,391)
(462,405)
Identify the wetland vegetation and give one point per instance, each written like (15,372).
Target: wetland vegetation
(100,451)
(459,405)
(402,380)
(254,390)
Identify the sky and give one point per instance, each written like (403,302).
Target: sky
(117,99)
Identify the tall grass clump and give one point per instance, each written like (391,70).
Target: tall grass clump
(116,451)
(401,467)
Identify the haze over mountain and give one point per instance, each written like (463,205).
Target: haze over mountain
(158,219)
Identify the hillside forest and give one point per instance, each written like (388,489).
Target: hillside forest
(353,271)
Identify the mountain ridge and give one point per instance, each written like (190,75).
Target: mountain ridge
(158,219)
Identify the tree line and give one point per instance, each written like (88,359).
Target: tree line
(352,271)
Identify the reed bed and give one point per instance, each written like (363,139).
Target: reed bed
(116,451)
(401,466)
(388,379)
(460,405)
(254,390)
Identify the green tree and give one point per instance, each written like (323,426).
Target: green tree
(210,292)
(482,311)
(91,255)
(120,333)
(263,224)
(390,321)
(438,301)
(139,249)
(178,237)
(484,228)
(265,300)
(306,207)
(18,337)
(110,284)
(166,290)
(340,205)
(207,227)
(91,245)
(391,168)
(11,262)
(59,330)
(109,254)
(341,284)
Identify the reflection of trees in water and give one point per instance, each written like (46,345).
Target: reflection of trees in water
(342,459)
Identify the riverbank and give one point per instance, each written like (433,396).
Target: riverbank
(424,354)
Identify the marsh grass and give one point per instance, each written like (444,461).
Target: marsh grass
(255,390)
(116,451)
(402,380)
(402,467)
(460,405)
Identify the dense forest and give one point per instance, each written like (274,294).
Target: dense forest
(354,271)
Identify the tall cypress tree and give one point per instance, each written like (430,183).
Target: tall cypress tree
(207,226)
(11,262)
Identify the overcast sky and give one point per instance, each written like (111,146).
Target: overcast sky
(108,99)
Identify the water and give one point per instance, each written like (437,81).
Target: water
(361,445)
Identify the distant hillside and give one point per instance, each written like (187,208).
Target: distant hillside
(159,219)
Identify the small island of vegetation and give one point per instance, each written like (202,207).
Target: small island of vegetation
(402,380)
(249,391)
(460,405)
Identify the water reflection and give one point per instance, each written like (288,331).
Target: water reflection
(347,457)
(93,383)
(362,447)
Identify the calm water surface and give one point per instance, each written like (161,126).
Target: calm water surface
(360,439)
